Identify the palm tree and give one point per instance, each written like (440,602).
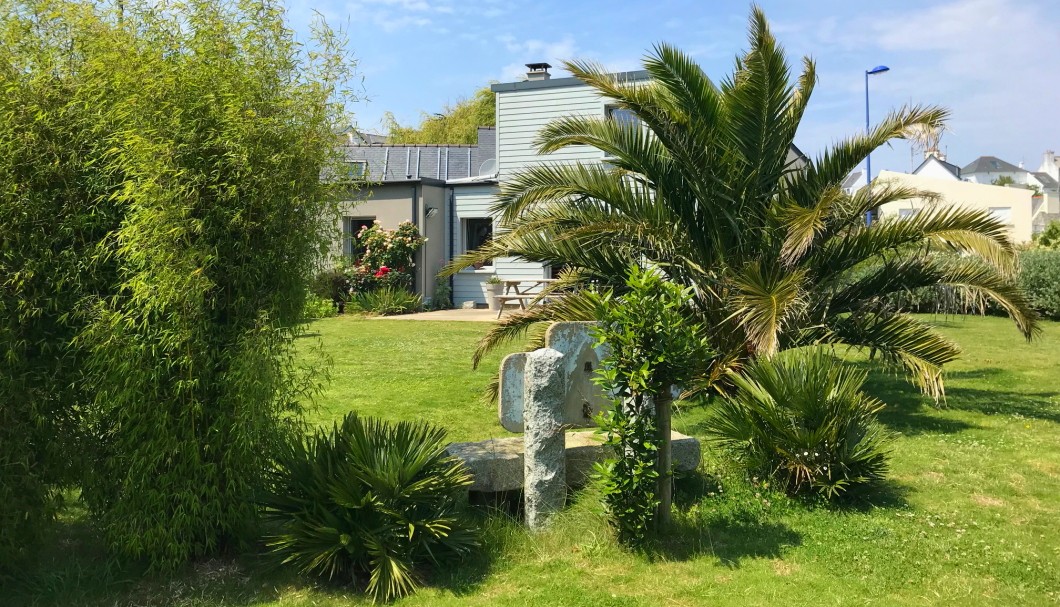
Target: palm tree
(704,188)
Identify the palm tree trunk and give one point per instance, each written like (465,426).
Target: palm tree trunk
(664,486)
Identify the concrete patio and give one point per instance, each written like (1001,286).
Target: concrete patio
(482,315)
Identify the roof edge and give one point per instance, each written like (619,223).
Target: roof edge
(504,87)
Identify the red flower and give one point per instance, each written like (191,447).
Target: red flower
(383,271)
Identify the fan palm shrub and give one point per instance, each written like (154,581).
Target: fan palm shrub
(707,186)
(802,418)
(369,499)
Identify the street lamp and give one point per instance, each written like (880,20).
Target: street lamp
(879,69)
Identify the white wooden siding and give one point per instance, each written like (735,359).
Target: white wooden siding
(522,114)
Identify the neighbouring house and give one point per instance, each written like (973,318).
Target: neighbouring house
(1013,206)
(1046,199)
(448,190)
(936,167)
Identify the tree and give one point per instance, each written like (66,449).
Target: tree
(777,254)
(456,124)
(1003,180)
(180,153)
(1050,236)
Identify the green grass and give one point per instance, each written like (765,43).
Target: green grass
(969,517)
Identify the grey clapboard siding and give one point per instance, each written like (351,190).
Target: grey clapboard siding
(472,202)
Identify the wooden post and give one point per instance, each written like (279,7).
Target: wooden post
(664,486)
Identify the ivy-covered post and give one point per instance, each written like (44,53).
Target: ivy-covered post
(653,342)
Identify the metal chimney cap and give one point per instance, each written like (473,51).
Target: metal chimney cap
(538,67)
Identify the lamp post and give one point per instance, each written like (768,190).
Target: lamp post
(879,69)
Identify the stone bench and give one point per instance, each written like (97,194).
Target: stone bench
(497,464)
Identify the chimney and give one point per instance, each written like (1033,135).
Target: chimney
(537,71)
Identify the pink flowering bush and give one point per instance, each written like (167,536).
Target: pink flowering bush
(384,258)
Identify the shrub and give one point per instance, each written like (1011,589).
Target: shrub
(443,295)
(369,498)
(1050,236)
(652,345)
(319,308)
(333,284)
(208,126)
(802,418)
(385,257)
(387,301)
(1040,279)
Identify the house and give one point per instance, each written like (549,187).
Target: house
(1044,183)
(417,183)
(1013,206)
(936,167)
(449,190)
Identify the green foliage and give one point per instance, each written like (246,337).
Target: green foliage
(319,307)
(384,257)
(1040,278)
(1050,236)
(443,295)
(704,184)
(369,498)
(175,153)
(1003,180)
(652,345)
(333,284)
(386,301)
(55,209)
(457,124)
(802,418)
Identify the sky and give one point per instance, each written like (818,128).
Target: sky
(995,64)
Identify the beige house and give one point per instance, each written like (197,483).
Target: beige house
(1011,205)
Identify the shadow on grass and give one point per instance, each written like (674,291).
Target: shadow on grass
(74,569)
(731,528)
(911,412)
(730,540)
(907,410)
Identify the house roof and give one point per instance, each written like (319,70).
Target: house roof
(991,164)
(1045,179)
(852,179)
(952,168)
(561,82)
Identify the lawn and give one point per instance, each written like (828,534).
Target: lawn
(969,517)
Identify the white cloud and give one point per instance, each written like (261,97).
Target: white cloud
(534,50)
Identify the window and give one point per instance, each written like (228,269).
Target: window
(905,213)
(356,169)
(477,232)
(351,226)
(621,115)
(1002,214)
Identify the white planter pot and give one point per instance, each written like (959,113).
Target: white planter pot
(491,292)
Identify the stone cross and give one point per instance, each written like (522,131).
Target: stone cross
(543,393)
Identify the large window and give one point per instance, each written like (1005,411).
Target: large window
(477,232)
(351,226)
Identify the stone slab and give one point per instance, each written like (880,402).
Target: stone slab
(584,400)
(497,464)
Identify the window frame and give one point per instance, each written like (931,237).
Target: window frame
(465,238)
(348,221)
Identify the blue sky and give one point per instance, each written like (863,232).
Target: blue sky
(994,63)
